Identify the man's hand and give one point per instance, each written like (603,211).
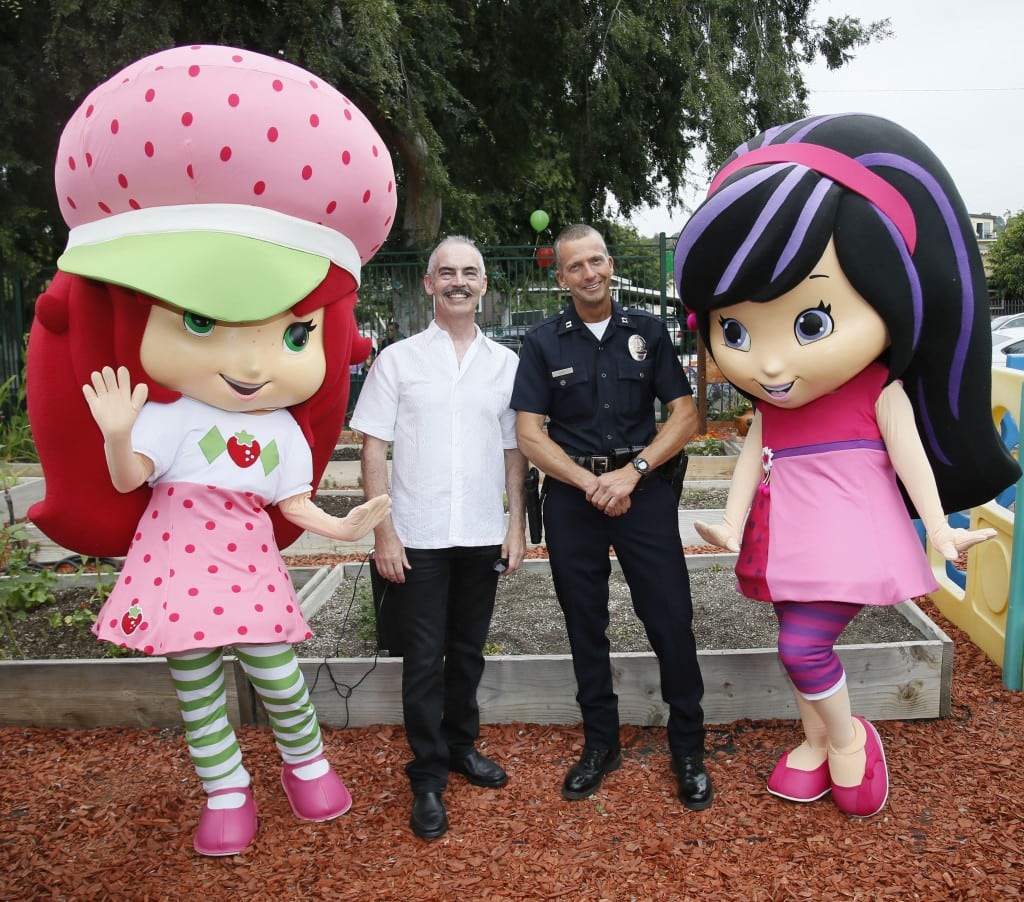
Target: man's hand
(389,555)
(611,491)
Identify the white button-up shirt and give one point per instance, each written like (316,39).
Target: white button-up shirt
(450,426)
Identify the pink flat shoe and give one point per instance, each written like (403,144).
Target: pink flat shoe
(799,785)
(319,799)
(869,796)
(226,831)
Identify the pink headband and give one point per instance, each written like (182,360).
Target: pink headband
(839,168)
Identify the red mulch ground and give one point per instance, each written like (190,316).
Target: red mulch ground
(109,814)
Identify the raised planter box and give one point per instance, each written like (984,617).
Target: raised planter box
(902,681)
(710,466)
(134,692)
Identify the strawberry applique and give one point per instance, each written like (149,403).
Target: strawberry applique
(243,449)
(131,620)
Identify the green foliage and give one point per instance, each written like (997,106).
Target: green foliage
(705,446)
(1005,260)
(23,586)
(365,620)
(16,442)
(491,108)
(84,616)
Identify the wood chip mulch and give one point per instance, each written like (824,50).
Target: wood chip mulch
(110,813)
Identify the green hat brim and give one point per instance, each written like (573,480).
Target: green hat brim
(226,277)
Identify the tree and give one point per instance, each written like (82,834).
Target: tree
(491,108)
(1005,260)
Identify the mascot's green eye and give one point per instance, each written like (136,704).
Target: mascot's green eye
(296,336)
(198,325)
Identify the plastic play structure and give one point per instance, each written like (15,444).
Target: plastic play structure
(987,600)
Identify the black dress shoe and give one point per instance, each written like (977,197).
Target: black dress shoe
(586,775)
(479,770)
(429,819)
(695,789)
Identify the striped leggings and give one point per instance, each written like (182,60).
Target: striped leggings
(274,673)
(807,636)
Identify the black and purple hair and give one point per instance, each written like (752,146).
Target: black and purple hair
(905,242)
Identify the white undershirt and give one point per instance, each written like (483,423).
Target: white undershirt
(598,328)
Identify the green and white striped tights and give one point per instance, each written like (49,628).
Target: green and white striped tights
(274,673)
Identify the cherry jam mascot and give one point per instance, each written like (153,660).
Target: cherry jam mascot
(188,378)
(834,276)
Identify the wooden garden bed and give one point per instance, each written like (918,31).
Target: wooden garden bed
(902,681)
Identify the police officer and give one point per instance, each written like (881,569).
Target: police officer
(593,371)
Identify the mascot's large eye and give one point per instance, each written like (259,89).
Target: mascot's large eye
(198,325)
(734,334)
(296,336)
(814,324)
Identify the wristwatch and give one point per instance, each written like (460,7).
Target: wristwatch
(641,466)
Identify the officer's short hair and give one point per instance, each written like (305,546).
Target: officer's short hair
(574,233)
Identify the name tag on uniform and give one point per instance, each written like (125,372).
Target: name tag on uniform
(566,372)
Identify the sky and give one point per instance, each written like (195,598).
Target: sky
(951,73)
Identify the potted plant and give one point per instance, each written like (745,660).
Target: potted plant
(742,416)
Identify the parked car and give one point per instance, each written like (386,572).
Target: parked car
(1009,321)
(1004,345)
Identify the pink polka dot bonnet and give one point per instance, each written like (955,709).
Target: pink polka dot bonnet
(221,181)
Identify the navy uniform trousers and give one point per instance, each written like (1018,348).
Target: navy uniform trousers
(647,545)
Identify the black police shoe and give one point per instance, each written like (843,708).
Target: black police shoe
(586,775)
(479,770)
(429,819)
(695,789)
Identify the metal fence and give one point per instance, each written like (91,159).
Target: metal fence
(521,291)
(17,298)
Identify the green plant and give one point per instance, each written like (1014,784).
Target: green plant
(84,616)
(16,442)
(743,406)
(705,446)
(365,618)
(24,586)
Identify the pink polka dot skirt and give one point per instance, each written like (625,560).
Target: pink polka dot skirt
(203,571)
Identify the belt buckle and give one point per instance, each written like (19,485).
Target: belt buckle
(598,465)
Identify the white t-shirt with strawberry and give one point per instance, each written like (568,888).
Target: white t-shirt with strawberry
(189,441)
(203,569)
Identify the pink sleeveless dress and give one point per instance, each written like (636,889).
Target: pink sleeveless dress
(828,522)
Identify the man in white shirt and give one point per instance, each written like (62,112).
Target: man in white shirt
(442,398)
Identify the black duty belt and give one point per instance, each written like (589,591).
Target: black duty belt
(602,463)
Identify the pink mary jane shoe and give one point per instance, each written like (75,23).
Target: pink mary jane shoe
(319,799)
(799,785)
(226,831)
(868,797)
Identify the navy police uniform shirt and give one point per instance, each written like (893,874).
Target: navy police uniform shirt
(598,394)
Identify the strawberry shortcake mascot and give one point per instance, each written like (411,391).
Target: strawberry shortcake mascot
(188,379)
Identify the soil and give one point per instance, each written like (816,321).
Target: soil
(527,618)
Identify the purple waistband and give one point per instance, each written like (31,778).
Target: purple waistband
(853,444)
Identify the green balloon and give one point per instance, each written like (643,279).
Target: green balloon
(539,220)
